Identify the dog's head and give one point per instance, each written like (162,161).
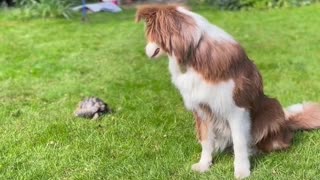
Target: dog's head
(168,30)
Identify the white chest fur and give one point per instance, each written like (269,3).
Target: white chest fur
(195,91)
(219,97)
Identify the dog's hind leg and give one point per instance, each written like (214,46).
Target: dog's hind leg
(204,127)
(270,131)
(277,141)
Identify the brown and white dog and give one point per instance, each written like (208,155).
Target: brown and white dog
(222,87)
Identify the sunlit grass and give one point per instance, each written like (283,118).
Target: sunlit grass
(48,66)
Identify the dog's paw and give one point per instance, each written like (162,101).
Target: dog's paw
(201,167)
(241,173)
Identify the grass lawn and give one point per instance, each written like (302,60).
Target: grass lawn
(48,66)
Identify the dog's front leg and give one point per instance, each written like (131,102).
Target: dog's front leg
(204,133)
(240,125)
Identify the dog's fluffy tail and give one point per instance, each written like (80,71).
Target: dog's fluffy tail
(303,116)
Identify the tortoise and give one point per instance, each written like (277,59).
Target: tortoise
(92,108)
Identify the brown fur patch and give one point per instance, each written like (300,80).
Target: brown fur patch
(197,125)
(201,128)
(267,118)
(202,124)
(278,141)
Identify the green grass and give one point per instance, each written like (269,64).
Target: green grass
(48,66)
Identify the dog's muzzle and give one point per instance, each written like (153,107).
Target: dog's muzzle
(153,50)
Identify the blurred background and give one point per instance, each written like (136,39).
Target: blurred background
(56,8)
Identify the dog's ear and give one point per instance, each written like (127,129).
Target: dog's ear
(146,13)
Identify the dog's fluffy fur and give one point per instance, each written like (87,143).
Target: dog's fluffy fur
(222,87)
